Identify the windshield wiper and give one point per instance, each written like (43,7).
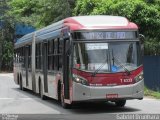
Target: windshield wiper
(99,68)
(116,60)
(96,71)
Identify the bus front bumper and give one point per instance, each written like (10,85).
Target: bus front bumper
(108,93)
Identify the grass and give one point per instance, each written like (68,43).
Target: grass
(151,93)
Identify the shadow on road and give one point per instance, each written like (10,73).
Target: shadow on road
(92,108)
(79,108)
(26,93)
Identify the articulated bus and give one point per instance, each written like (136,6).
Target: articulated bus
(82,59)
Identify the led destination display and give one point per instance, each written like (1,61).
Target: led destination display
(106,35)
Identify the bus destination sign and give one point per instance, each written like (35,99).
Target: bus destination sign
(108,35)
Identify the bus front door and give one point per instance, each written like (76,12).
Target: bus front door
(66,70)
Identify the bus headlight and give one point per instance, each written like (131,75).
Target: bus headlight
(79,79)
(139,77)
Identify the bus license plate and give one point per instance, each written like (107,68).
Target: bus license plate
(111,96)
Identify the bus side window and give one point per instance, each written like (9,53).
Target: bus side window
(60,49)
(18,55)
(29,56)
(23,55)
(50,55)
(38,56)
(55,54)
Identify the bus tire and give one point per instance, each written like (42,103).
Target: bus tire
(120,103)
(63,104)
(18,79)
(59,91)
(21,83)
(43,97)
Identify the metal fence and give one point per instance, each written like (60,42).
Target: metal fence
(152,72)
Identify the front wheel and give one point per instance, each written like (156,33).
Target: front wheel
(120,103)
(63,104)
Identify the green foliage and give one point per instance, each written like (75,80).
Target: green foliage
(7,56)
(39,13)
(151,93)
(6,38)
(8,51)
(145,13)
(152,47)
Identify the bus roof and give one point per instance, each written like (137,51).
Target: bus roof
(99,22)
(78,23)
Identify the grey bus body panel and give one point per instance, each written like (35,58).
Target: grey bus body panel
(84,93)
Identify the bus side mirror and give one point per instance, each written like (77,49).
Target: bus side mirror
(142,38)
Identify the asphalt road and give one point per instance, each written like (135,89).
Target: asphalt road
(13,101)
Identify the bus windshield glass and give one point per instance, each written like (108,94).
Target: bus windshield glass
(109,57)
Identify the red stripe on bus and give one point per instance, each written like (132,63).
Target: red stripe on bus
(110,79)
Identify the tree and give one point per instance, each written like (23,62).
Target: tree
(7,57)
(145,13)
(40,13)
(6,37)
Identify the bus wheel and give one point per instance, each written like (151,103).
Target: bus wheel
(43,97)
(120,103)
(64,105)
(21,84)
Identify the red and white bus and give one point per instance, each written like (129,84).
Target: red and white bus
(83,58)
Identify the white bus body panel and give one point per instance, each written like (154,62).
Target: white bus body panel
(52,88)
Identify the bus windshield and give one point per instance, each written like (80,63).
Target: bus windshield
(109,57)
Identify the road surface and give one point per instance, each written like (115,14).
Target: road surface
(24,103)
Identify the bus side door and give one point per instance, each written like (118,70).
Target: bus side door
(66,67)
